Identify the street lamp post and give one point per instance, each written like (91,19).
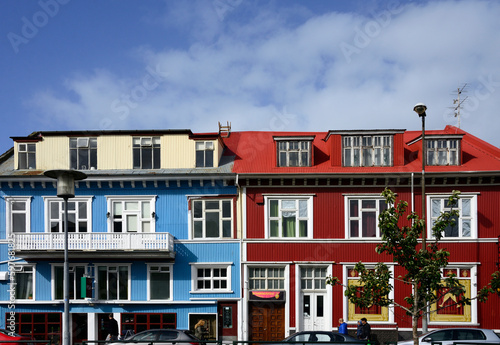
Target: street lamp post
(65,189)
(420,109)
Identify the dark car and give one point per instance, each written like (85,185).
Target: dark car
(11,336)
(323,336)
(162,335)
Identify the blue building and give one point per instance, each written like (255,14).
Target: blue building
(153,233)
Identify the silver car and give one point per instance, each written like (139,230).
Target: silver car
(161,335)
(450,336)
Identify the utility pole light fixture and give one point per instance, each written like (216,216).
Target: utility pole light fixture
(65,189)
(420,109)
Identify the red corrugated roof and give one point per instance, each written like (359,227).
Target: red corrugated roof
(255,154)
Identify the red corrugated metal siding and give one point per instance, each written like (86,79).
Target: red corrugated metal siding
(398,150)
(336,150)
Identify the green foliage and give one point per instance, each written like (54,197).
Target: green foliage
(422,266)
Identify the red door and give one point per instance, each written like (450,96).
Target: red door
(228,321)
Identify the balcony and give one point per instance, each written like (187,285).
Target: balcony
(95,244)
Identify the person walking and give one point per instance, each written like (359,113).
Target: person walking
(342,326)
(112,329)
(365,329)
(358,330)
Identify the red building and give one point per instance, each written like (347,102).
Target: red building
(310,204)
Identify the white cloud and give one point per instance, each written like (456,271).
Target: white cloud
(253,71)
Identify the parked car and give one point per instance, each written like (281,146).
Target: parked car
(322,336)
(164,335)
(11,336)
(450,336)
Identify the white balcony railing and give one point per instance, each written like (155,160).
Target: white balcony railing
(95,241)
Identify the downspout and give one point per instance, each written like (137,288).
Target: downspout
(412,195)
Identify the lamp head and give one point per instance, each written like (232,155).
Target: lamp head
(420,109)
(65,181)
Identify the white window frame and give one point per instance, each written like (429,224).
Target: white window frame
(141,220)
(296,197)
(211,266)
(24,148)
(473,292)
(449,147)
(50,199)
(10,212)
(145,142)
(348,218)
(346,303)
(20,268)
(75,284)
(203,219)
(83,143)
(108,265)
(282,281)
(472,217)
(206,147)
(367,147)
(162,268)
(283,146)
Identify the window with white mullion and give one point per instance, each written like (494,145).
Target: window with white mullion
(26,156)
(367,150)
(465,224)
(79,214)
(212,218)
(160,282)
(289,217)
(362,216)
(18,214)
(294,153)
(313,278)
(443,151)
(146,152)
(132,214)
(204,154)
(266,278)
(211,278)
(83,153)
(112,282)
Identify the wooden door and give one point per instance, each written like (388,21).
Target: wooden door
(267,321)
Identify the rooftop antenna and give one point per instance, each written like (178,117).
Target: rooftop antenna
(459,102)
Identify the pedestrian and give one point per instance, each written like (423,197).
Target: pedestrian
(342,326)
(358,330)
(365,329)
(200,330)
(112,329)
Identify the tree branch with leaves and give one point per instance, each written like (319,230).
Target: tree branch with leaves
(422,267)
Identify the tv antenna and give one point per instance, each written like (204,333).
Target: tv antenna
(459,102)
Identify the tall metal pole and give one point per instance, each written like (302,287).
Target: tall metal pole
(420,109)
(66,277)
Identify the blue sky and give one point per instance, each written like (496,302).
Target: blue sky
(289,65)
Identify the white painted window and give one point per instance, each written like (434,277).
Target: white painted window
(443,151)
(294,153)
(112,282)
(213,277)
(266,278)
(79,214)
(76,272)
(212,218)
(26,156)
(24,281)
(204,154)
(362,214)
(18,214)
(83,153)
(366,151)
(160,282)
(289,216)
(131,213)
(146,152)
(465,225)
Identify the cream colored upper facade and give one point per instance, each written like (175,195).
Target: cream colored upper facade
(177,151)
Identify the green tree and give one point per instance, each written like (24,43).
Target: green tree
(422,266)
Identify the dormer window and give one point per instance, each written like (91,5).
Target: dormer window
(83,153)
(367,151)
(204,154)
(146,152)
(443,151)
(26,156)
(294,152)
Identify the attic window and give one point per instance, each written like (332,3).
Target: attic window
(294,153)
(26,156)
(443,151)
